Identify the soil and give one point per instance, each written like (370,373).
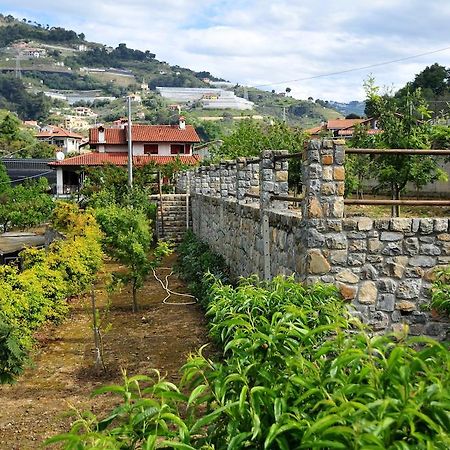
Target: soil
(62,376)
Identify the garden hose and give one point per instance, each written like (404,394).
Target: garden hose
(165,286)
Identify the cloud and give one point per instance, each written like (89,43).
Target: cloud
(259,42)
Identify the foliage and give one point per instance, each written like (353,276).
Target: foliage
(37,294)
(127,239)
(25,205)
(17,30)
(440,291)
(298,372)
(404,125)
(195,259)
(18,141)
(15,97)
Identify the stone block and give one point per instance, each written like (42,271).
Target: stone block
(368,292)
(339,155)
(368,272)
(314,208)
(336,241)
(430,249)
(338,256)
(411,245)
(328,189)
(401,224)
(317,263)
(347,276)
(409,288)
(348,292)
(327,159)
(356,259)
(357,245)
(414,272)
(379,321)
(386,302)
(373,245)
(422,261)
(391,236)
(339,173)
(327,173)
(387,285)
(443,237)
(364,224)
(426,226)
(340,188)
(392,249)
(338,208)
(440,225)
(405,306)
(315,171)
(314,239)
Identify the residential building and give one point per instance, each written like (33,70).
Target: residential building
(344,128)
(66,141)
(158,144)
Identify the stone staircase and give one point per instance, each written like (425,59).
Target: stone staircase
(171,216)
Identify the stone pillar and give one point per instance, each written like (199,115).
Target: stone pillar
(214,180)
(241,186)
(223,174)
(272,181)
(230,177)
(323,211)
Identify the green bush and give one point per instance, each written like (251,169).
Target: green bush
(38,293)
(297,372)
(440,291)
(195,259)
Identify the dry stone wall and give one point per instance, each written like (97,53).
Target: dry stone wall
(383,268)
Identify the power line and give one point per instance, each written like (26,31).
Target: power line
(27,178)
(354,69)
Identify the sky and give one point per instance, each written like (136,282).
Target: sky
(273,44)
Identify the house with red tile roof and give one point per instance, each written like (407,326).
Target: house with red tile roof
(156,144)
(344,128)
(66,141)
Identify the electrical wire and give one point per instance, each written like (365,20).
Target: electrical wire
(27,178)
(169,292)
(370,66)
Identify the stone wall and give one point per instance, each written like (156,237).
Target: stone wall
(383,268)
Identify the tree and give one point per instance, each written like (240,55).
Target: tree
(127,240)
(404,124)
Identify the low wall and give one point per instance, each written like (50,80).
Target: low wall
(384,268)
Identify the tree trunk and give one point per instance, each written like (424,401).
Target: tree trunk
(135,303)
(98,362)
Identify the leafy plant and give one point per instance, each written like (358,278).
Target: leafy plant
(440,291)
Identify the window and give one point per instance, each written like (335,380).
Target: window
(150,149)
(176,149)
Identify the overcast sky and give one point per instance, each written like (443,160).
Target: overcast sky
(262,42)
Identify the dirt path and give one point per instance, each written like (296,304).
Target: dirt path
(159,336)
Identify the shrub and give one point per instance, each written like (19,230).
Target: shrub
(38,293)
(195,259)
(440,291)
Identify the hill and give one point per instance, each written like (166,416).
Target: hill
(60,61)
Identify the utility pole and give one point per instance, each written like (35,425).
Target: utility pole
(284,113)
(130,147)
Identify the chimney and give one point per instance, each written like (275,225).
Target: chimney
(101,135)
(182,123)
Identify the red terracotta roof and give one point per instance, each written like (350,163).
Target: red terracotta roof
(120,159)
(338,124)
(58,132)
(146,133)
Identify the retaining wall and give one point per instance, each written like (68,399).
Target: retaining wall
(384,267)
